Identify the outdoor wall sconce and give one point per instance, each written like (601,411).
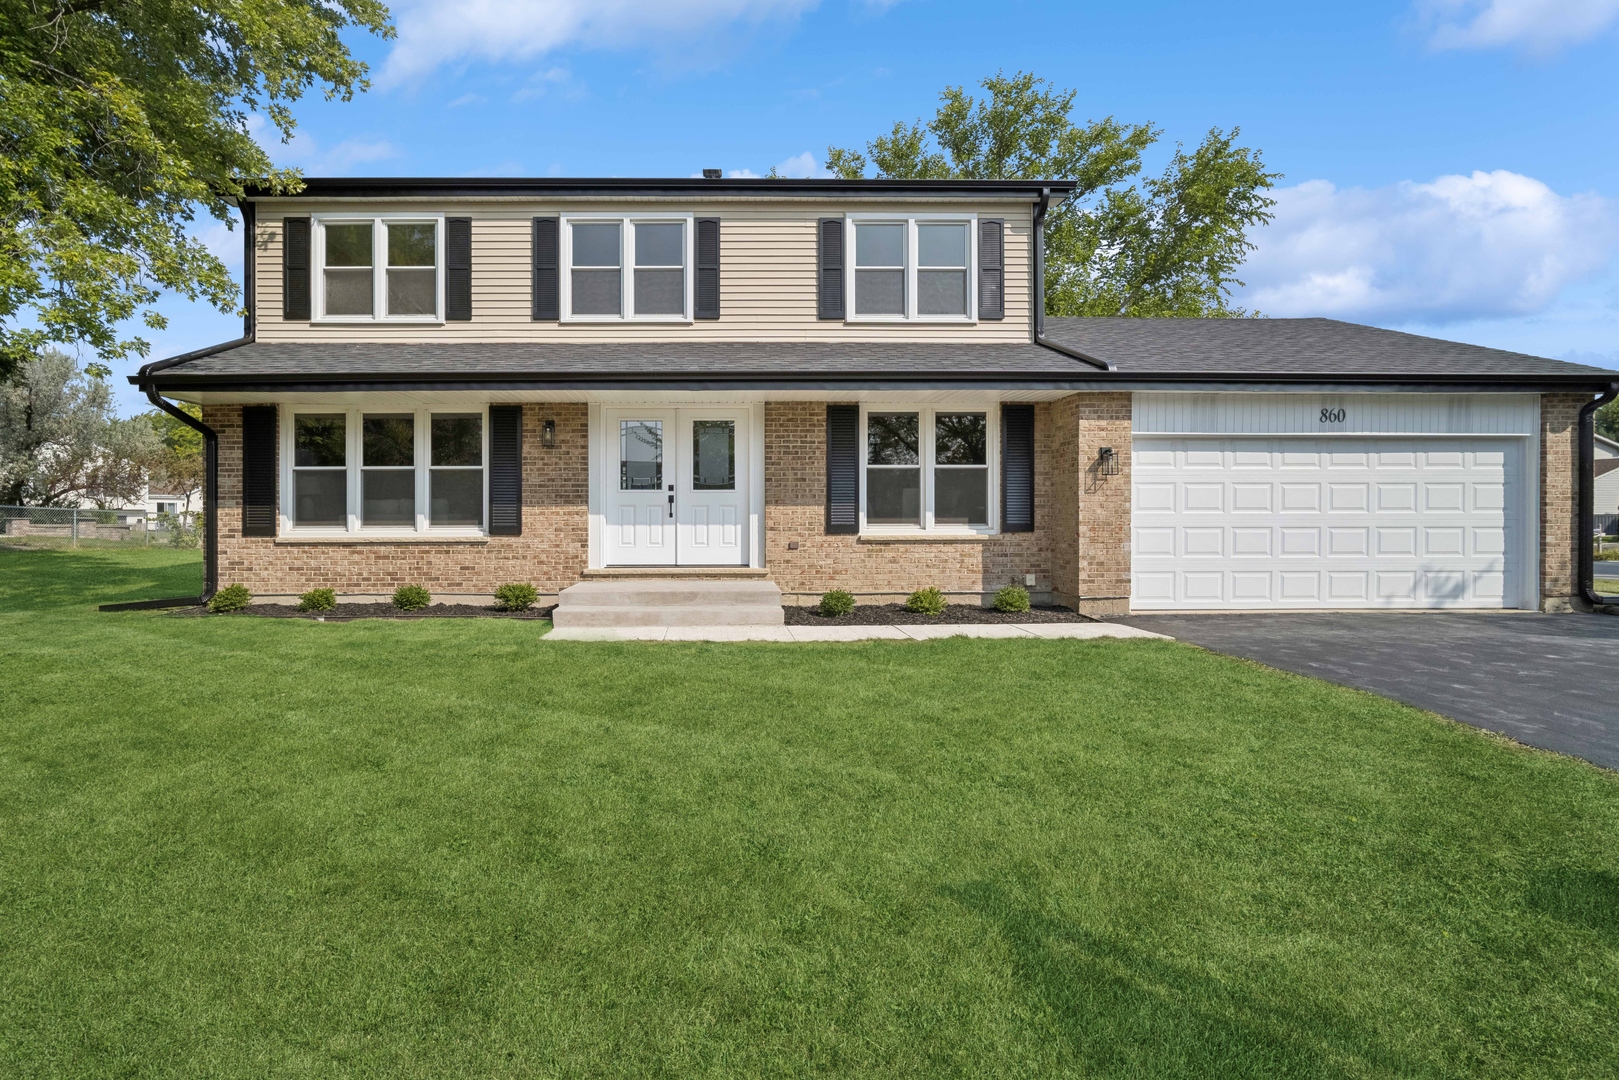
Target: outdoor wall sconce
(548,433)
(1107,462)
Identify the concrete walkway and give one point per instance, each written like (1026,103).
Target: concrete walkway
(851,633)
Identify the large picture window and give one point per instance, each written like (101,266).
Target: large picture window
(627,267)
(916,267)
(928,469)
(379,269)
(386,472)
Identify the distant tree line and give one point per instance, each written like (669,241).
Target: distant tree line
(62,443)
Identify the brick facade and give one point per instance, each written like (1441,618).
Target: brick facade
(1078,553)
(1559,501)
(1074,552)
(1090,510)
(551,553)
(795,512)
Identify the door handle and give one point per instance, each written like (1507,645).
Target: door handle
(671,506)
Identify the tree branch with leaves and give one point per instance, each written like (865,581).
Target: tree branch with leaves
(119,121)
(1123,243)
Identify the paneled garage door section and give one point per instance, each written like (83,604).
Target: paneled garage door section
(1232,523)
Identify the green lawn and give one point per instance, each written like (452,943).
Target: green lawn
(239,847)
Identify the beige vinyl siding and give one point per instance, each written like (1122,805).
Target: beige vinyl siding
(767,280)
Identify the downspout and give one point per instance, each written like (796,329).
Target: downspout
(210,437)
(1587,435)
(1040,338)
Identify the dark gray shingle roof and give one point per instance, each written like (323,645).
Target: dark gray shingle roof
(1289,347)
(629,358)
(1148,352)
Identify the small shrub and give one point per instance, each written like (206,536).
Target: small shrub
(230,598)
(928,601)
(1012,598)
(517,596)
(836,602)
(411,598)
(318,600)
(1607,556)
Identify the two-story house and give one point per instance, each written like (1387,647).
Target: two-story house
(840,384)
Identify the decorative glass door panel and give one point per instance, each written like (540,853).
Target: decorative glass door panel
(640,525)
(713,502)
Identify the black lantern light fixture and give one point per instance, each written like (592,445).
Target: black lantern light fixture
(1107,462)
(548,433)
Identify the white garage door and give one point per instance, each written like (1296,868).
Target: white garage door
(1234,522)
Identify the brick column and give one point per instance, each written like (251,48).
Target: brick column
(1559,500)
(1091,512)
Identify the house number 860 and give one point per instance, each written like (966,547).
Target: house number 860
(1332,416)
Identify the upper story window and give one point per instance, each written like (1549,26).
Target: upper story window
(378,269)
(915,267)
(655,249)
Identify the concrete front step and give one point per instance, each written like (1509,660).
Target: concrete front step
(665,602)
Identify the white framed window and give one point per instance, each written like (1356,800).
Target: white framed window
(384,471)
(928,469)
(378,268)
(912,267)
(623,267)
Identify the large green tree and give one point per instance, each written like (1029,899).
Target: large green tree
(120,120)
(61,444)
(1124,243)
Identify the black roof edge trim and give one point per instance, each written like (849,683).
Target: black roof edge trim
(887,381)
(358,187)
(143,376)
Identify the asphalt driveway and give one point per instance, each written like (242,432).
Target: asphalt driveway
(1546,680)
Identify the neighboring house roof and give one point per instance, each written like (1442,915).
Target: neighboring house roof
(1290,347)
(1606,447)
(1145,353)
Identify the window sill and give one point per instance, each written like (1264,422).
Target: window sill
(375,322)
(920,537)
(373,538)
(900,320)
(620,320)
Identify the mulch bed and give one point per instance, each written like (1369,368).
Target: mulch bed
(895,614)
(348,612)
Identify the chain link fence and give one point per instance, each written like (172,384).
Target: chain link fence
(51,526)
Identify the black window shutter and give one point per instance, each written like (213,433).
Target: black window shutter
(505,470)
(1017,468)
(295,269)
(458,269)
(708,268)
(547,278)
(843,468)
(991,269)
(258,469)
(829,269)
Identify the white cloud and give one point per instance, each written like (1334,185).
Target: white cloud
(305,152)
(1488,245)
(1540,27)
(434,32)
(801,167)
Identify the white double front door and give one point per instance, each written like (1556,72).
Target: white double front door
(677,487)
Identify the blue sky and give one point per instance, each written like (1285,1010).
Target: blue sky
(1449,164)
